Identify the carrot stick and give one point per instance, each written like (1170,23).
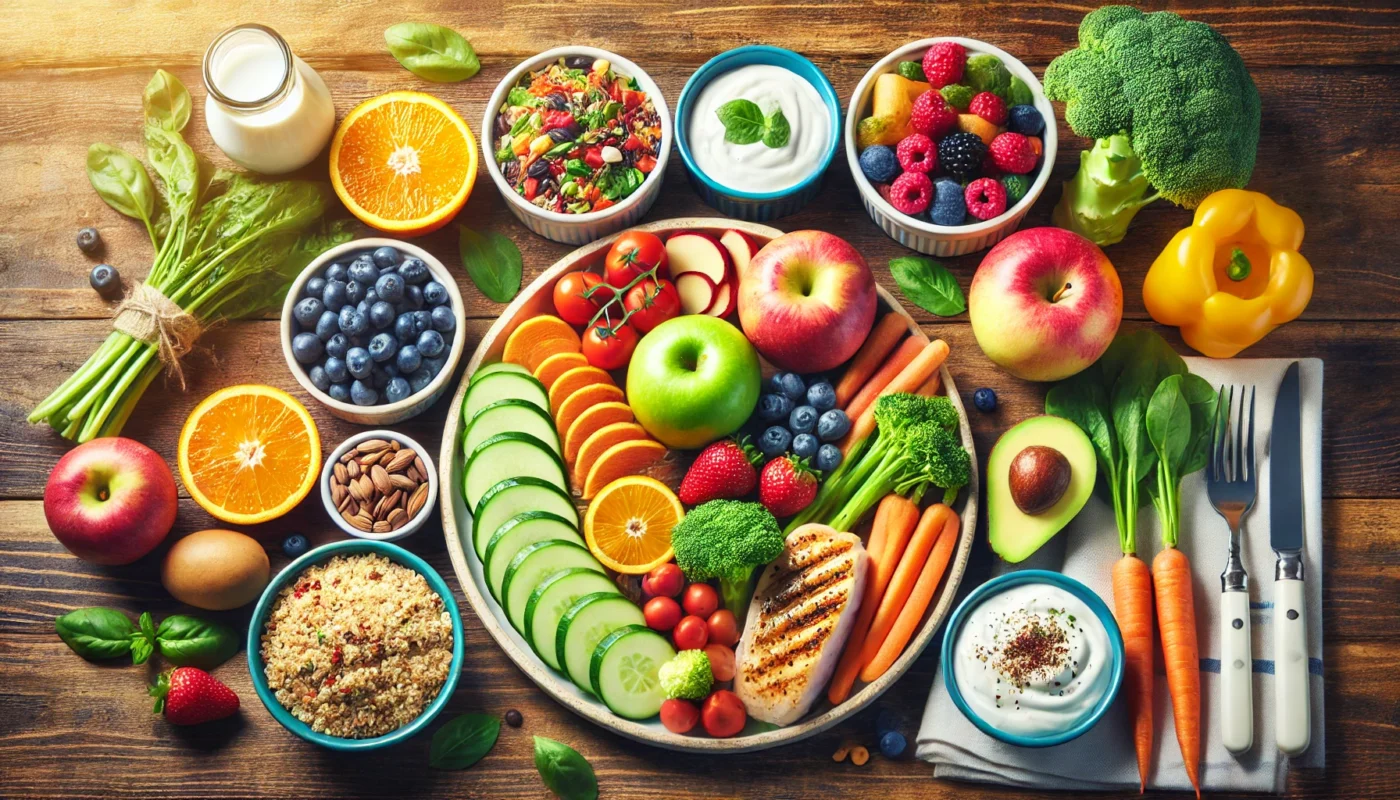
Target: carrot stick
(930,387)
(915,373)
(905,576)
(895,519)
(881,341)
(897,361)
(1176,617)
(913,612)
(1132,607)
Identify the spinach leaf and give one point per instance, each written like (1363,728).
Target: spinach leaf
(743,121)
(1083,401)
(1168,423)
(463,741)
(564,771)
(96,633)
(928,285)
(776,129)
(193,642)
(492,262)
(178,168)
(432,52)
(1201,399)
(520,96)
(166,101)
(122,182)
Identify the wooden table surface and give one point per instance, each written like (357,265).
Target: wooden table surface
(71,73)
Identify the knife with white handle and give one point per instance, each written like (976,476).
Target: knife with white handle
(1292,722)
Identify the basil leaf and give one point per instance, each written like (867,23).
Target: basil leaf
(742,120)
(121,181)
(193,642)
(432,52)
(564,771)
(911,70)
(141,648)
(492,262)
(776,130)
(928,285)
(463,741)
(166,101)
(96,633)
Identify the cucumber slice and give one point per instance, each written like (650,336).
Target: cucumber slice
(584,625)
(535,564)
(504,416)
(549,602)
(503,386)
(516,496)
(499,366)
(514,535)
(509,455)
(623,670)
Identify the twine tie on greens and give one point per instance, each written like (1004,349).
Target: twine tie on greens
(147,315)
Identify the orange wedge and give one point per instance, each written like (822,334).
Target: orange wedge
(580,401)
(551,368)
(537,339)
(572,381)
(249,454)
(403,162)
(589,422)
(622,459)
(628,526)
(600,441)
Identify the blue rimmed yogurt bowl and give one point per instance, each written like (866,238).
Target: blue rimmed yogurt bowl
(1112,674)
(752,205)
(323,553)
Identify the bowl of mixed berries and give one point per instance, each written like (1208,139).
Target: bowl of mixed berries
(949,140)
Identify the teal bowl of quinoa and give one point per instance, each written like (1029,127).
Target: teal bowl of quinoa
(356,645)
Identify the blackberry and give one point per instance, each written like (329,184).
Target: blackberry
(961,154)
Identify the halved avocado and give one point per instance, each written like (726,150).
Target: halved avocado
(1013,533)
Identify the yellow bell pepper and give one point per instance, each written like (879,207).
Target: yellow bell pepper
(1233,276)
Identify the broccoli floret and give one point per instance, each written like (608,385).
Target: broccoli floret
(985,73)
(687,675)
(728,540)
(924,454)
(946,464)
(1180,96)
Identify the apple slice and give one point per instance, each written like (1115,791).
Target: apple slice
(694,251)
(724,302)
(741,247)
(696,291)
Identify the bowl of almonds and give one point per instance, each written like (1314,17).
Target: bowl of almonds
(379,485)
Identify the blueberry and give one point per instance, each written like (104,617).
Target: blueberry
(773,407)
(391,369)
(879,163)
(89,241)
(307,348)
(420,379)
(828,458)
(404,329)
(307,311)
(985,400)
(422,321)
(328,325)
(295,545)
(363,395)
(358,362)
(319,378)
(949,204)
(803,419)
(378,377)
(409,359)
(355,292)
(352,321)
(314,287)
(381,315)
(774,441)
(832,425)
(106,280)
(413,298)
(363,271)
(389,287)
(334,295)
(383,347)
(821,396)
(430,344)
(892,744)
(336,370)
(442,319)
(337,272)
(385,257)
(789,384)
(413,270)
(804,445)
(340,391)
(397,390)
(434,293)
(1025,120)
(337,345)
(434,365)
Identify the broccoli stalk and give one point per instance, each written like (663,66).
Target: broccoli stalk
(728,540)
(1106,193)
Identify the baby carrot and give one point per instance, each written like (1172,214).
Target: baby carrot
(911,563)
(881,341)
(897,361)
(923,366)
(913,611)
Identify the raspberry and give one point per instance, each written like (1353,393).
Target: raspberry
(985,198)
(989,107)
(943,64)
(917,153)
(1013,153)
(913,191)
(931,115)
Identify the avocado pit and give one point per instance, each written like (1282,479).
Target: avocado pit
(1038,478)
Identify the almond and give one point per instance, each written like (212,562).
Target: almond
(421,467)
(370,460)
(337,493)
(403,483)
(418,500)
(397,517)
(349,455)
(372,446)
(380,476)
(352,470)
(382,527)
(340,472)
(356,522)
(357,491)
(401,460)
(366,487)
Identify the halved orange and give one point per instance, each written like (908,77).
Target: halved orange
(628,525)
(631,457)
(589,422)
(600,441)
(581,400)
(538,338)
(551,368)
(403,162)
(572,381)
(249,453)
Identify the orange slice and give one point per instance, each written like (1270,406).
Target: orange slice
(600,441)
(551,368)
(572,381)
(628,526)
(589,422)
(622,459)
(539,338)
(580,401)
(249,454)
(403,162)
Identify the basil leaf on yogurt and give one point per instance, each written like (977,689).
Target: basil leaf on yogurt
(564,771)
(432,52)
(743,121)
(96,633)
(776,129)
(463,741)
(928,285)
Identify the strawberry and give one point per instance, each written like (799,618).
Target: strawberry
(190,696)
(787,486)
(724,470)
(943,63)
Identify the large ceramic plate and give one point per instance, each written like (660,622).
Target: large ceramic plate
(457,526)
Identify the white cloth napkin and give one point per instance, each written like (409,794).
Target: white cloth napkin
(1103,758)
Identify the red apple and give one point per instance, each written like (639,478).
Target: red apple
(696,291)
(741,247)
(807,301)
(696,251)
(110,501)
(1045,303)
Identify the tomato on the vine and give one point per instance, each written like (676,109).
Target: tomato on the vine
(652,303)
(633,253)
(607,347)
(569,301)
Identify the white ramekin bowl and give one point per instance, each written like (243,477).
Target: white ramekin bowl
(578,229)
(409,528)
(921,235)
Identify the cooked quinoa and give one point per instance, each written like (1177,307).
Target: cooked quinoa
(358,646)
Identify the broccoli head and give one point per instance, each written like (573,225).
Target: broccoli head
(687,675)
(728,540)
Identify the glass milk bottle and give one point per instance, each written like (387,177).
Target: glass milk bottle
(266,109)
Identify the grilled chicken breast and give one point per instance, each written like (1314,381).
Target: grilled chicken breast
(802,611)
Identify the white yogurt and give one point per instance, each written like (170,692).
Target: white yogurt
(1032,660)
(757,167)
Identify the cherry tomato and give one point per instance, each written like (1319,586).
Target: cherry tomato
(655,302)
(679,716)
(569,302)
(691,633)
(609,348)
(661,613)
(723,714)
(724,629)
(664,581)
(633,253)
(721,661)
(700,599)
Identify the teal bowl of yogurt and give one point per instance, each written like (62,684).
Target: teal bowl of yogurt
(757,127)
(1033,658)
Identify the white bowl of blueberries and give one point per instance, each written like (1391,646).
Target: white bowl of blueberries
(373,329)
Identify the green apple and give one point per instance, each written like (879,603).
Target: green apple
(692,380)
